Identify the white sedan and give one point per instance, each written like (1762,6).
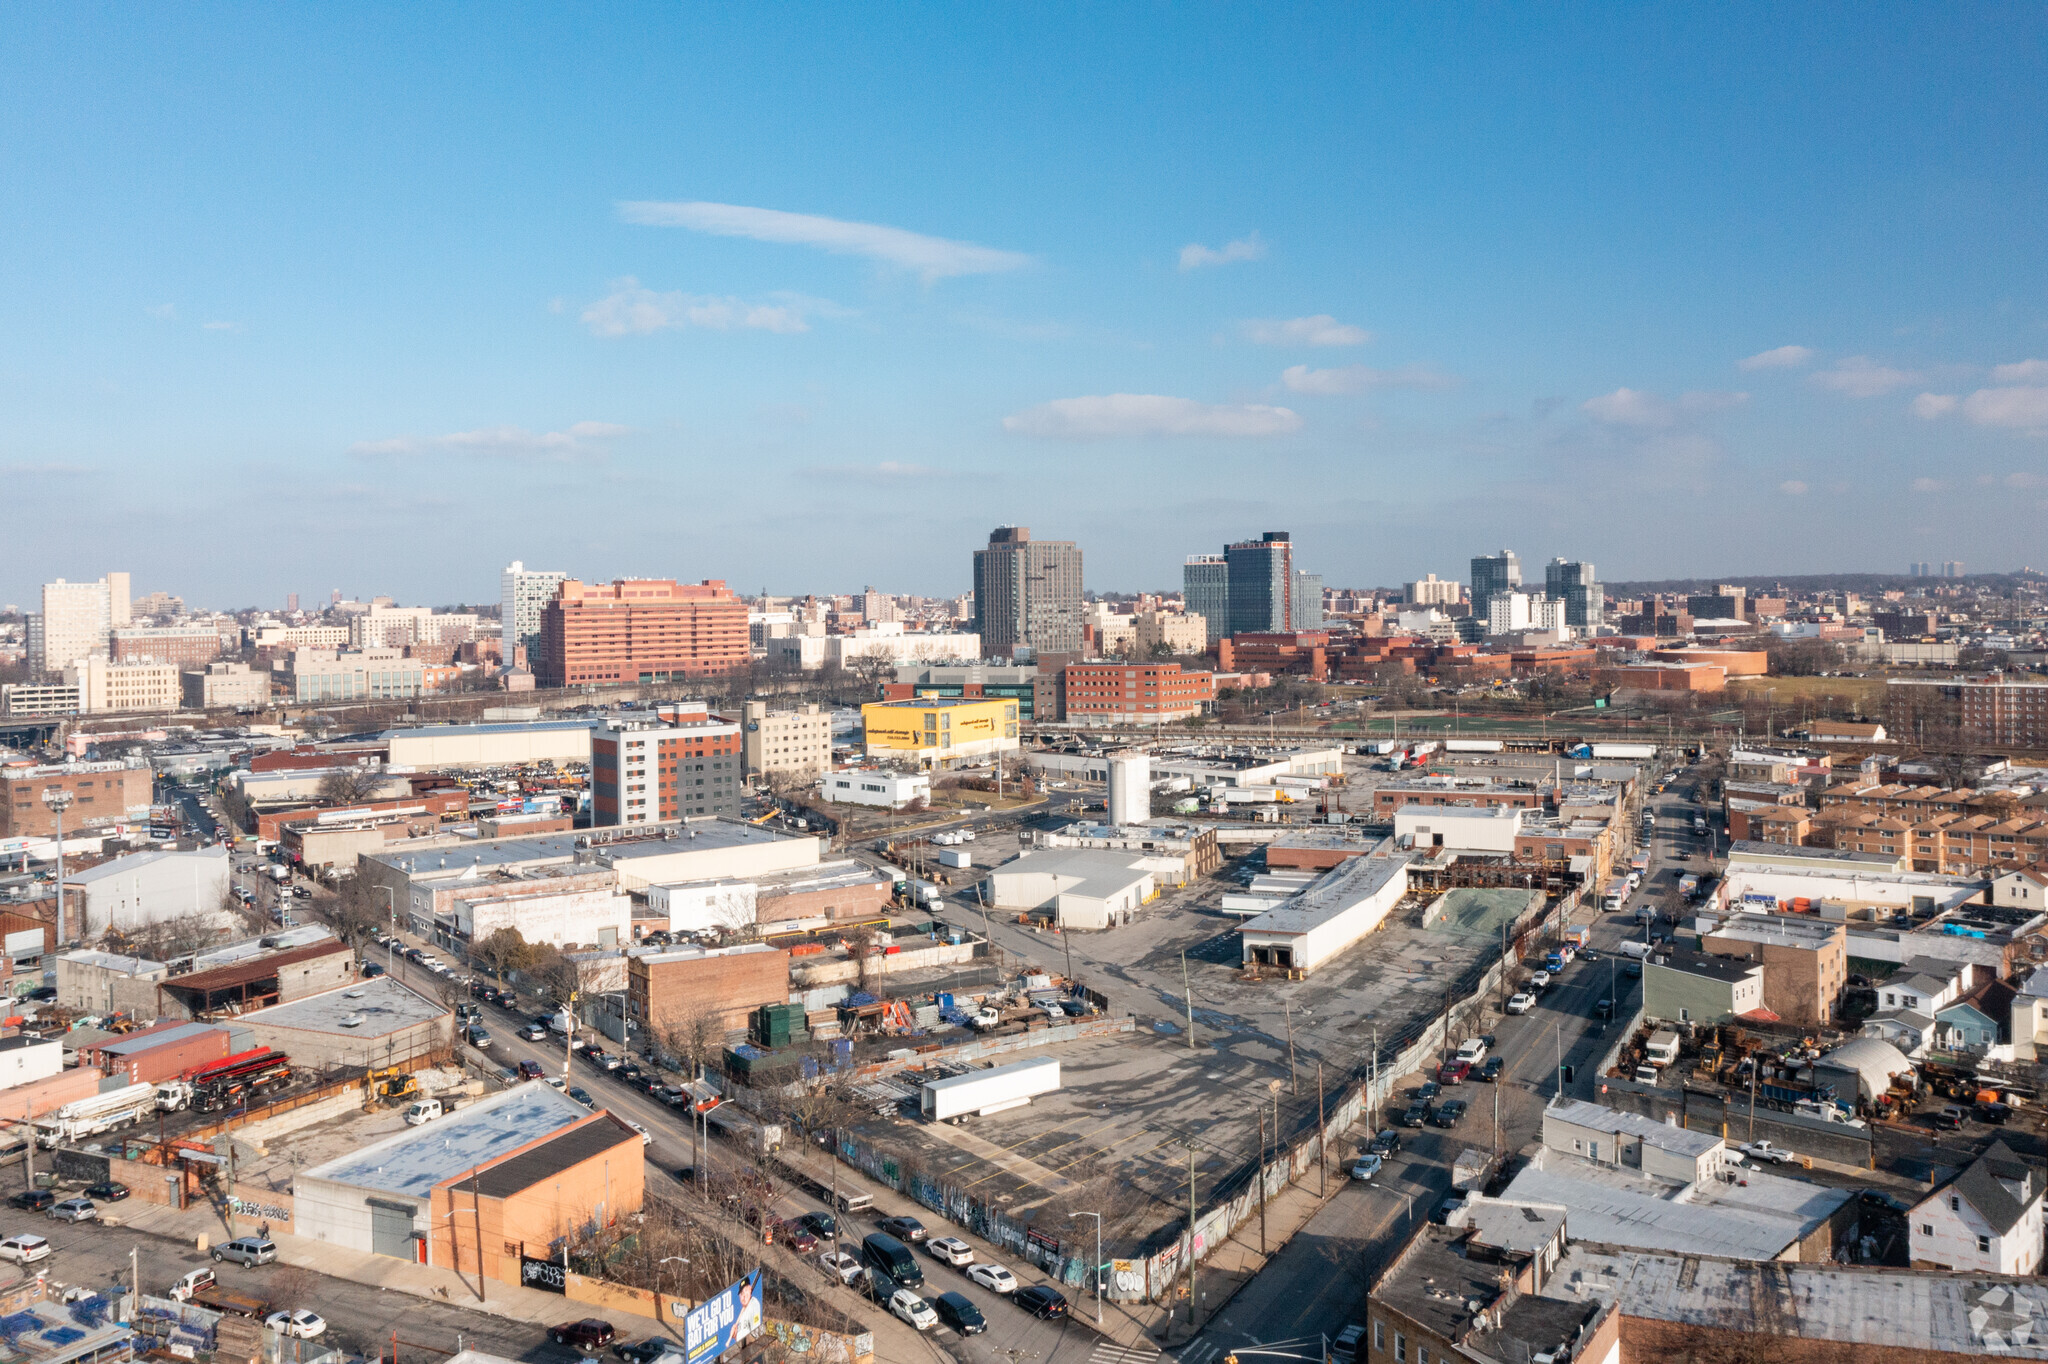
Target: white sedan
(841,1266)
(1540,981)
(646,1137)
(1521,1003)
(952,1250)
(913,1309)
(303,1324)
(993,1277)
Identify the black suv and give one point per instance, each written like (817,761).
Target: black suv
(1415,1115)
(588,1335)
(35,1200)
(960,1313)
(1387,1143)
(1040,1301)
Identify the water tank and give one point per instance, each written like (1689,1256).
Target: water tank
(1130,788)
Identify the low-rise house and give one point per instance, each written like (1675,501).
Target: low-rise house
(1987,1219)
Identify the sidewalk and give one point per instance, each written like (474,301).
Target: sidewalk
(1235,1263)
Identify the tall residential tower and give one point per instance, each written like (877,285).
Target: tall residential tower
(523,594)
(1027,592)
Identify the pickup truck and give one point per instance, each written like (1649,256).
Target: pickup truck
(1764,1151)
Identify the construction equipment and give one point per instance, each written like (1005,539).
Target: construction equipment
(390,1086)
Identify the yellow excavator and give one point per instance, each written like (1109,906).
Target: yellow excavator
(391,1086)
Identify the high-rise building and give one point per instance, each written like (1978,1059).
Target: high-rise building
(643,772)
(641,630)
(1493,574)
(1308,600)
(1261,585)
(877,608)
(1574,584)
(1027,592)
(77,621)
(1431,591)
(523,594)
(1952,568)
(291,601)
(1205,588)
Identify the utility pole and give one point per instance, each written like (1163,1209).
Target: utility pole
(1293,1080)
(1189,992)
(476,1195)
(1754,1067)
(1191,1237)
(1261,1169)
(1372,1093)
(1322,1136)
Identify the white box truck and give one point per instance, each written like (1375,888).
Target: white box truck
(988,1091)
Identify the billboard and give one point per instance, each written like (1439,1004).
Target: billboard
(723,1321)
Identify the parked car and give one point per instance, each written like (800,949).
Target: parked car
(1473,1050)
(24,1250)
(1540,981)
(477,1037)
(905,1229)
(34,1200)
(534,1032)
(796,1237)
(646,1137)
(1950,1119)
(582,1096)
(1041,1301)
(1521,1002)
(1345,1347)
(958,1311)
(1428,1092)
(1414,1115)
(841,1266)
(1765,1151)
(301,1325)
(1387,1143)
(992,1276)
(371,970)
(1448,1114)
(73,1210)
(530,1070)
(107,1191)
(912,1309)
(588,1335)
(822,1224)
(1366,1166)
(1441,1213)
(952,1250)
(653,1350)
(1490,1072)
(1453,1072)
(246,1250)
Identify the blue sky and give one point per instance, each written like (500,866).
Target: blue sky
(812,297)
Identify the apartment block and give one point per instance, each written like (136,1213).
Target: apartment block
(655,773)
(220,686)
(1134,693)
(187,646)
(1806,963)
(107,688)
(1027,593)
(1176,631)
(793,744)
(365,675)
(641,630)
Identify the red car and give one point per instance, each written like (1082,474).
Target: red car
(1452,1072)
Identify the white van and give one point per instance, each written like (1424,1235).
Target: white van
(423,1111)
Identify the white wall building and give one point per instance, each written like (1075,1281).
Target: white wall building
(875,786)
(144,888)
(106,688)
(395,627)
(1083,887)
(1461,828)
(523,594)
(586,917)
(432,747)
(1130,788)
(77,621)
(795,743)
(1347,903)
(221,685)
(1610,1136)
(25,1058)
(1987,1219)
(890,643)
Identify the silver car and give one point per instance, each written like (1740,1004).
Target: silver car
(74,1210)
(246,1250)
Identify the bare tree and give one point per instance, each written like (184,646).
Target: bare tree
(348,785)
(357,912)
(502,952)
(692,1031)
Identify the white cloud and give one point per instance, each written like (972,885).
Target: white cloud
(1359,378)
(1859,376)
(1932,405)
(632,310)
(1784,357)
(2021,372)
(1194,255)
(1638,408)
(220,326)
(1928,485)
(1111,415)
(162,311)
(581,441)
(2024,408)
(888,471)
(1320,330)
(931,258)
(1792,487)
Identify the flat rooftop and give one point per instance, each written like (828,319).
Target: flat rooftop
(1749,850)
(1664,1136)
(1701,964)
(1904,1310)
(510,727)
(1338,891)
(1095,871)
(111,961)
(1478,911)
(419,1158)
(1627,1208)
(383,1005)
(430,857)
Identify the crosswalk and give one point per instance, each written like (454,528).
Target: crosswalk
(1201,1352)
(1109,1353)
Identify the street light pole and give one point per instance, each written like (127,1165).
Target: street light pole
(1098,1261)
(59,800)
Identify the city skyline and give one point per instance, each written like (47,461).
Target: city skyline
(1600,280)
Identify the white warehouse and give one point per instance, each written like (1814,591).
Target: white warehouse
(145,888)
(876,786)
(1083,887)
(1345,905)
(1488,830)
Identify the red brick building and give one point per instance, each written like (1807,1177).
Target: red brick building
(641,630)
(101,793)
(1134,693)
(656,773)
